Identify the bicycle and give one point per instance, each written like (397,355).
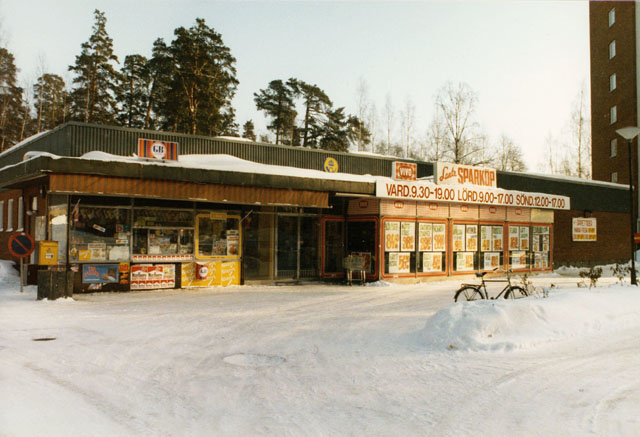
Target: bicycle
(479,291)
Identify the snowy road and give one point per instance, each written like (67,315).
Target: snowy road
(319,360)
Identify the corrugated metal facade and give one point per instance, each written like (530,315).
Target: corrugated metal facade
(75,139)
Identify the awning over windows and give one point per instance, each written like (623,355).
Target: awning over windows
(107,185)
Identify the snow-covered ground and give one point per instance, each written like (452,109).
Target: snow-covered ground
(321,360)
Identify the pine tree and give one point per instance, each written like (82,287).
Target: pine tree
(92,99)
(316,104)
(203,83)
(50,101)
(277,102)
(335,132)
(160,68)
(248,130)
(13,115)
(132,93)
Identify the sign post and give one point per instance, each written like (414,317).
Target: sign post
(21,246)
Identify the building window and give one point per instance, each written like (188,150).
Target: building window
(614,147)
(614,176)
(612,16)
(612,82)
(20,214)
(612,49)
(2,215)
(10,216)
(613,113)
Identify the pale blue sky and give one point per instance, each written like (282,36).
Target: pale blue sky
(527,60)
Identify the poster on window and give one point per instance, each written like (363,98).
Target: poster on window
(439,234)
(464,261)
(424,235)
(408,236)
(524,238)
(472,238)
(514,237)
(97,251)
(491,260)
(431,262)
(232,242)
(100,273)
(518,259)
(485,238)
(545,243)
(399,262)
(496,233)
(391,236)
(458,238)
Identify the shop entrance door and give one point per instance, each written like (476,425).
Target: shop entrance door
(287,260)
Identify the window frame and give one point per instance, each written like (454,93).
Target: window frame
(612,16)
(613,114)
(614,177)
(612,49)
(613,83)
(613,148)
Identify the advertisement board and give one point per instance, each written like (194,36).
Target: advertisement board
(584,229)
(154,149)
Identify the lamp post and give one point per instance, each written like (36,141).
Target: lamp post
(629,133)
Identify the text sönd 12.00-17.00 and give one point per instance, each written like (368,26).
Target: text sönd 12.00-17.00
(464,194)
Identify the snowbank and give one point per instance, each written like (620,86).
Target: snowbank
(503,325)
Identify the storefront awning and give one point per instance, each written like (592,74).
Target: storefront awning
(176,190)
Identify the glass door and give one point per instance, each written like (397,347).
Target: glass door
(287,253)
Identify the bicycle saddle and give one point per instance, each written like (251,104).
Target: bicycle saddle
(480,275)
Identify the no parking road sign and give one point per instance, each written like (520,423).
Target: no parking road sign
(21,245)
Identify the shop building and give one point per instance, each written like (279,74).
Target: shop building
(231,212)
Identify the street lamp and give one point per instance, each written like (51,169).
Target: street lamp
(629,133)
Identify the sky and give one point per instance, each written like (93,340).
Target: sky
(526,60)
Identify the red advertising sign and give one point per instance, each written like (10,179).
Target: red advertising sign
(405,171)
(154,149)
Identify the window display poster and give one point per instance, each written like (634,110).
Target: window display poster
(216,273)
(545,243)
(391,236)
(408,234)
(464,261)
(97,251)
(431,262)
(458,238)
(536,243)
(439,234)
(100,273)
(518,259)
(425,239)
(514,237)
(496,232)
(541,260)
(152,276)
(485,238)
(472,238)
(524,238)
(491,260)
(399,262)
(233,240)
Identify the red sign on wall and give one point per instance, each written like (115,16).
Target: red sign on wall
(405,171)
(155,149)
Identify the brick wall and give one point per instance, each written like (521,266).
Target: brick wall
(612,243)
(28,220)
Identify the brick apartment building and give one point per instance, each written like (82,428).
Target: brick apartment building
(615,63)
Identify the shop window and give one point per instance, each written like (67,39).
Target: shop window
(400,247)
(161,232)
(464,238)
(218,235)
(20,214)
(10,216)
(541,246)
(99,234)
(362,241)
(491,247)
(518,247)
(432,249)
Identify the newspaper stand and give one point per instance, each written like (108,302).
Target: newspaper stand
(354,266)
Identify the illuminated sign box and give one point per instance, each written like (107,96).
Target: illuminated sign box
(154,149)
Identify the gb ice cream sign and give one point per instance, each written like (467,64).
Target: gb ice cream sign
(154,149)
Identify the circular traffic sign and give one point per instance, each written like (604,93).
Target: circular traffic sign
(330,165)
(21,245)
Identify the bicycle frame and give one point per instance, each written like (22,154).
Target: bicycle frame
(483,284)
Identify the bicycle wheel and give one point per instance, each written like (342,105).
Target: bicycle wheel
(515,292)
(468,293)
